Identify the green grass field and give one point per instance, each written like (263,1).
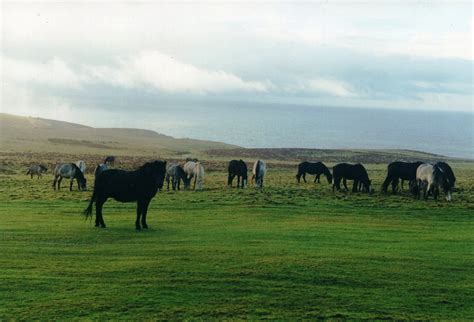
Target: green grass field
(289,251)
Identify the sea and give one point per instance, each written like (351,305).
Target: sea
(280,126)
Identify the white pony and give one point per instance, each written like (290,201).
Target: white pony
(259,170)
(431,178)
(195,170)
(81,165)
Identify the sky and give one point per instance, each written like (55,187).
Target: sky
(59,59)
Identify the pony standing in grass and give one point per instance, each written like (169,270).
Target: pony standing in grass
(237,168)
(355,172)
(126,186)
(195,170)
(400,170)
(316,168)
(70,171)
(430,179)
(36,170)
(175,173)
(259,170)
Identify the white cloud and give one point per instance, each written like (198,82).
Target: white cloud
(150,69)
(331,87)
(159,71)
(19,100)
(323,87)
(54,72)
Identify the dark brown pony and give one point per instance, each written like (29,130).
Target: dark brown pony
(126,186)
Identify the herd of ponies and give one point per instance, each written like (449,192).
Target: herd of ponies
(141,185)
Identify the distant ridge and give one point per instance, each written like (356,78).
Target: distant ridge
(20,134)
(32,134)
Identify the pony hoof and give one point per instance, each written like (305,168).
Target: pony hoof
(145,226)
(103,226)
(138,228)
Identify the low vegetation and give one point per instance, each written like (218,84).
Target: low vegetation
(285,252)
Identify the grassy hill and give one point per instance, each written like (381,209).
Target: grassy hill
(37,135)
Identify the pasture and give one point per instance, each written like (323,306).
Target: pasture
(289,251)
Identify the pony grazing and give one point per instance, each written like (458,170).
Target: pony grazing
(432,178)
(259,170)
(356,172)
(237,168)
(126,186)
(36,170)
(70,171)
(444,167)
(99,169)
(81,165)
(195,170)
(110,159)
(399,170)
(176,173)
(316,168)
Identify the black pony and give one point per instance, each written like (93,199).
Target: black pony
(109,160)
(316,168)
(140,185)
(237,168)
(356,172)
(449,177)
(449,174)
(400,170)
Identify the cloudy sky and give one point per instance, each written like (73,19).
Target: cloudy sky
(59,59)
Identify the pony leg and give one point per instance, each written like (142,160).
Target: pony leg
(70,184)
(168,182)
(304,177)
(59,183)
(230,178)
(386,182)
(144,212)
(238,182)
(139,213)
(344,183)
(195,179)
(336,185)
(99,220)
(355,186)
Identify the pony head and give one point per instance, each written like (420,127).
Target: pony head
(83,183)
(329,177)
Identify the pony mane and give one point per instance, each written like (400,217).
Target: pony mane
(78,171)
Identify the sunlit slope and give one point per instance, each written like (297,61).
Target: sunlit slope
(27,134)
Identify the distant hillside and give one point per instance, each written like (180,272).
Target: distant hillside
(294,155)
(28,139)
(29,134)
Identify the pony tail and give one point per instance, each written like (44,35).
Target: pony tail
(88,211)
